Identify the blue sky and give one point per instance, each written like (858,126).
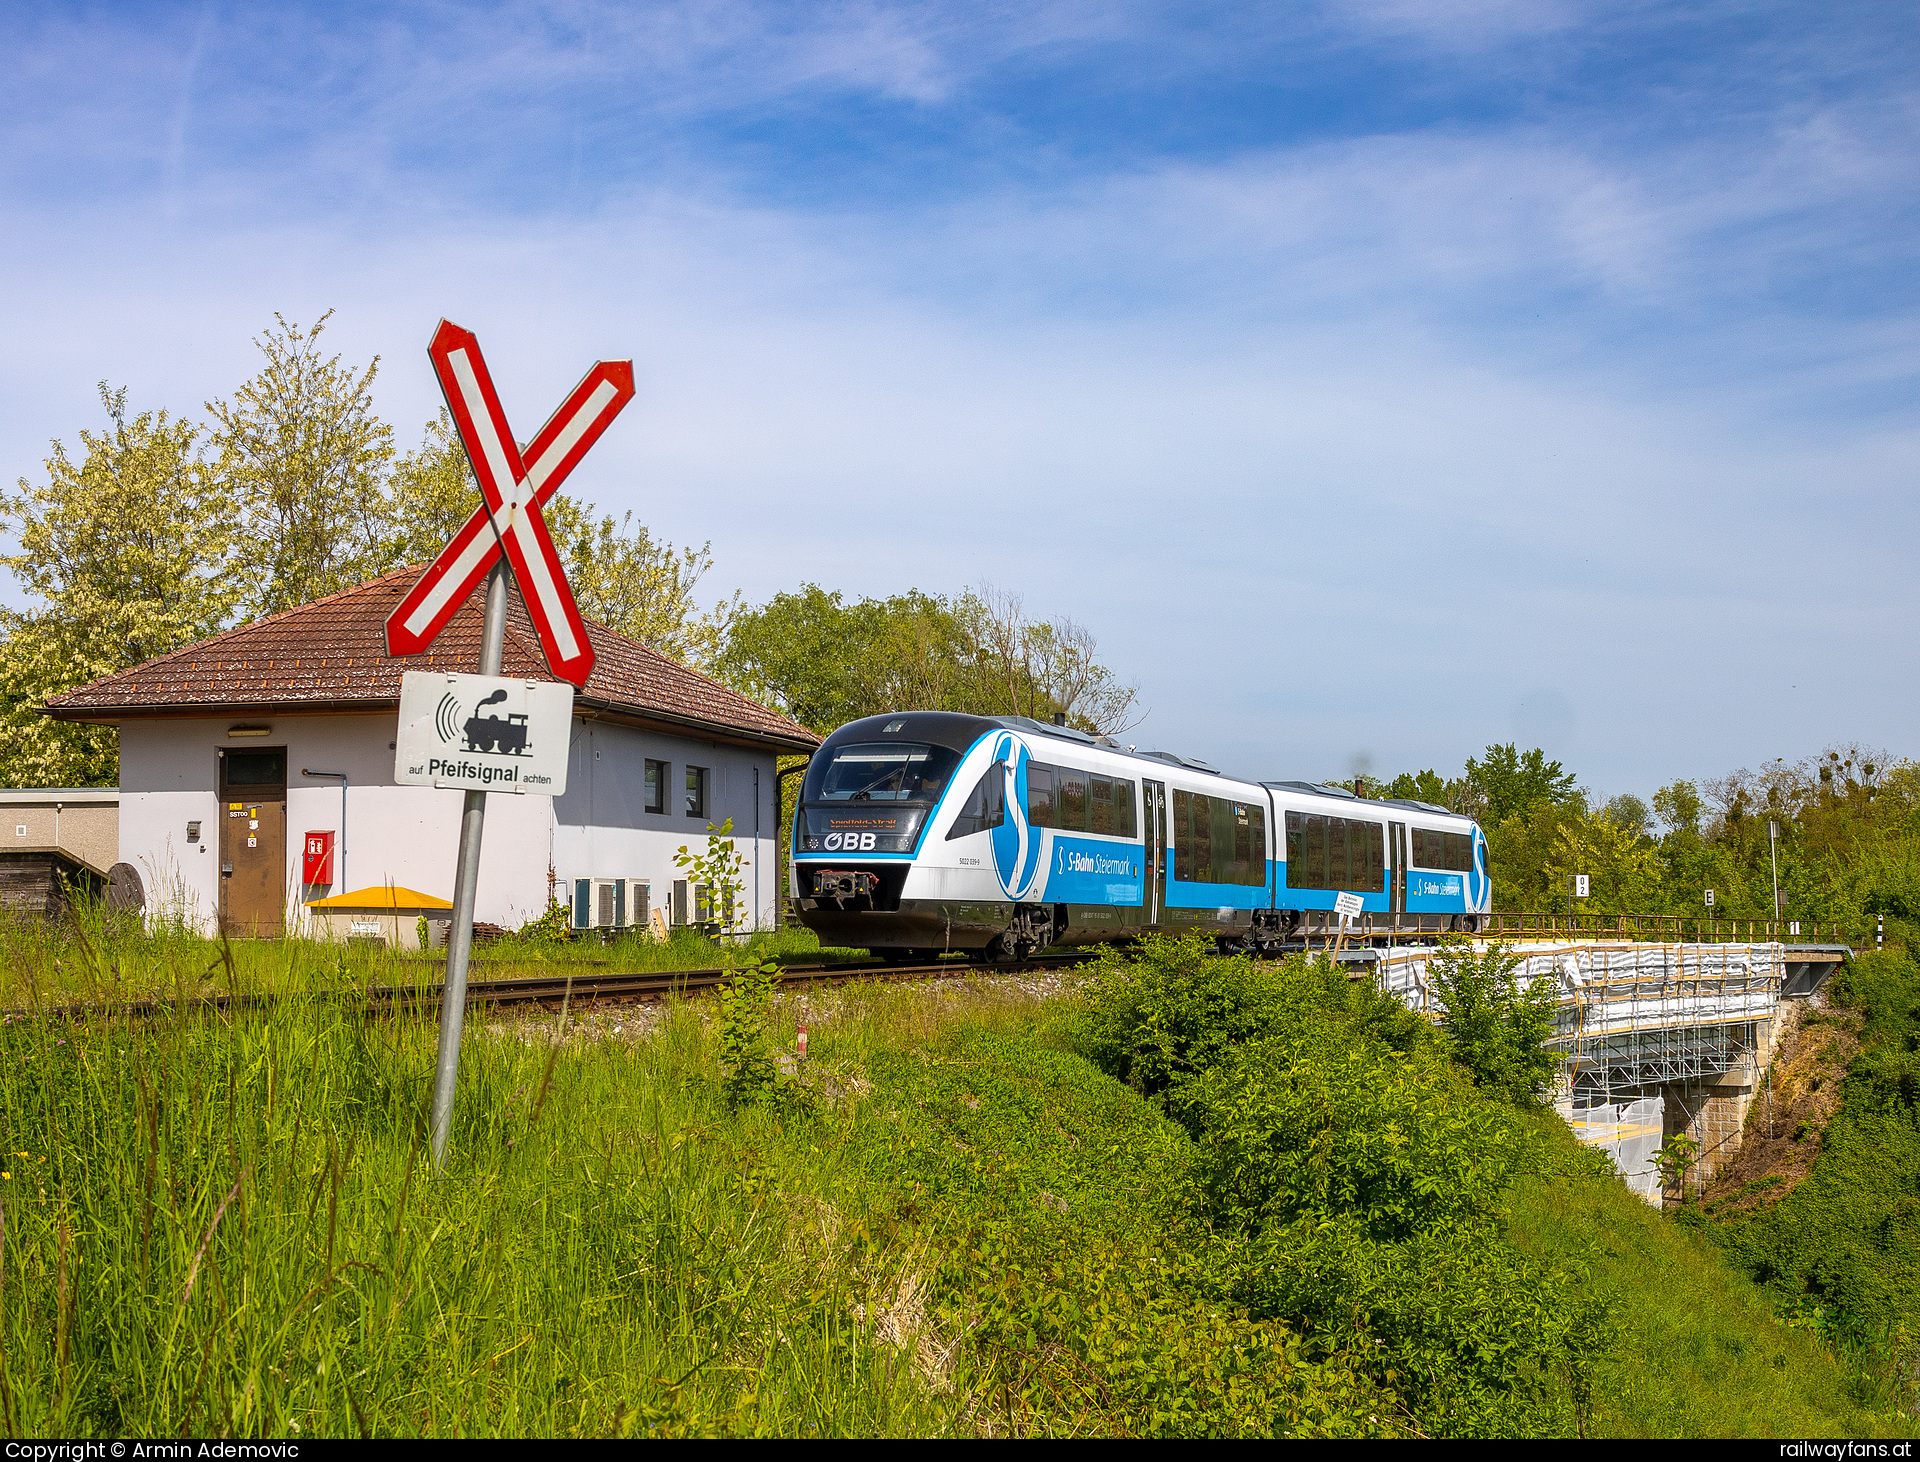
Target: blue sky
(1377,380)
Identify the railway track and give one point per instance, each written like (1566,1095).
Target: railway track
(595,986)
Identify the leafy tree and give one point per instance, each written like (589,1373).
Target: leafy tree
(1625,869)
(1678,805)
(1511,781)
(1628,813)
(432,493)
(826,661)
(129,553)
(303,454)
(1046,668)
(1427,786)
(643,588)
(1496,1029)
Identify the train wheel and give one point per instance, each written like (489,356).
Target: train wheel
(1472,923)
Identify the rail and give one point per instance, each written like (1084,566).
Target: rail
(581,989)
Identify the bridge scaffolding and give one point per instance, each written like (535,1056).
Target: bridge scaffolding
(1631,1019)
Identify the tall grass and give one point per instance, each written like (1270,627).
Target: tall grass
(1700,1350)
(228,1226)
(93,956)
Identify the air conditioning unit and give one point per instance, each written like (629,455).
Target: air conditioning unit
(609,903)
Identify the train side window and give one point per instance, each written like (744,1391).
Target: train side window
(1337,874)
(1202,837)
(657,786)
(1296,850)
(1123,824)
(1039,795)
(1316,861)
(1182,836)
(1100,805)
(1376,858)
(1459,852)
(1242,842)
(1070,799)
(986,805)
(1420,848)
(1257,843)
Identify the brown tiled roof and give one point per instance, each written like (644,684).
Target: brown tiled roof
(331,655)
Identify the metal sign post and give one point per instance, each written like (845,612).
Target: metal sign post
(466,877)
(1773,855)
(507,534)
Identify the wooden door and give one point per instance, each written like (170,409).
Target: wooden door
(253,842)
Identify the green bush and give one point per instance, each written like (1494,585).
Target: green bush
(749,1073)
(1495,1029)
(1171,1007)
(1352,1182)
(1065,1266)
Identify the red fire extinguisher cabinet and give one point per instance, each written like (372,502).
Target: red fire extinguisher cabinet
(317,861)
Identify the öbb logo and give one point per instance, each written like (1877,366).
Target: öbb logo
(849,842)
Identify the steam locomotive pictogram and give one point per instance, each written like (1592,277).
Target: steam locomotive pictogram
(490,733)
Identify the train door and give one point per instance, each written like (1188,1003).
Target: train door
(1397,865)
(1154,805)
(253,842)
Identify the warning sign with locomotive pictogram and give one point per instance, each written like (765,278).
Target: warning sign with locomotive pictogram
(486,732)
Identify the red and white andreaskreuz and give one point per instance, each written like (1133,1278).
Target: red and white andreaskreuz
(513,485)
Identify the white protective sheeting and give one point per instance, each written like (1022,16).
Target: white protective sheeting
(1631,1133)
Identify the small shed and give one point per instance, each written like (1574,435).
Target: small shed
(42,881)
(388,913)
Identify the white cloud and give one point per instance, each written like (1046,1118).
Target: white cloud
(1349,444)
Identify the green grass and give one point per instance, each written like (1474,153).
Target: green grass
(1842,1250)
(952,1224)
(230,1227)
(97,959)
(1701,1350)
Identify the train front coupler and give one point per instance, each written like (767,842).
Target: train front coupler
(843,887)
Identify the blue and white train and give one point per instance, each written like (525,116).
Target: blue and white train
(930,831)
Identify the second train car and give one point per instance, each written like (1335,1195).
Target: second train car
(930,831)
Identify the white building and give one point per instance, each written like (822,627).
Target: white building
(234,752)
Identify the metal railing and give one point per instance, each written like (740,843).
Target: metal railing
(1668,928)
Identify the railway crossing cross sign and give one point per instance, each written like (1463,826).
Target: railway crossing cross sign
(521,741)
(513,483)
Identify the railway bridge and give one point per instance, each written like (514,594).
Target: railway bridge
(1657,1038)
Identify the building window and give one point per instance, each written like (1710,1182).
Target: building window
(696,791)
(656,786)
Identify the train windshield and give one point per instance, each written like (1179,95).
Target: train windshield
(889,771)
